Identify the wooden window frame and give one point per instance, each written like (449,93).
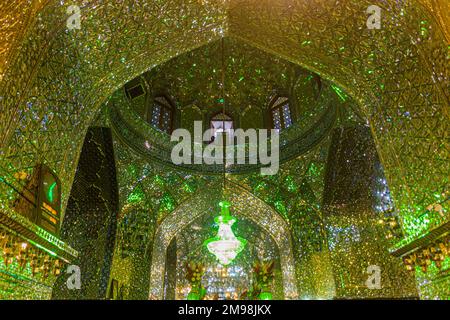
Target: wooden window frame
(279,107)
(130,88)
(169,107)
(211,119)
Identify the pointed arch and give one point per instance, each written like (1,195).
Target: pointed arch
(243,204)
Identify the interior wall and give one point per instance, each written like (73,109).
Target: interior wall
(91,220)
(389,73)
(355,238)
(54,86)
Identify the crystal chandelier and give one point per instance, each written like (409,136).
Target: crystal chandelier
(225,246)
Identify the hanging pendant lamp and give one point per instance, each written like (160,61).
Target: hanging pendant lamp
(225,245)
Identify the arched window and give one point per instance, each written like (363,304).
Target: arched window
(221,123)
(280,113)
(162,114)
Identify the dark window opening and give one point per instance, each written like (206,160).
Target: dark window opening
(221,124)
(135,91)
(162,114)
(281,113)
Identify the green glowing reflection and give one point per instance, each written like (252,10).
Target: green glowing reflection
(225,246)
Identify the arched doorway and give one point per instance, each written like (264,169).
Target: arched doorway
(244,204)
